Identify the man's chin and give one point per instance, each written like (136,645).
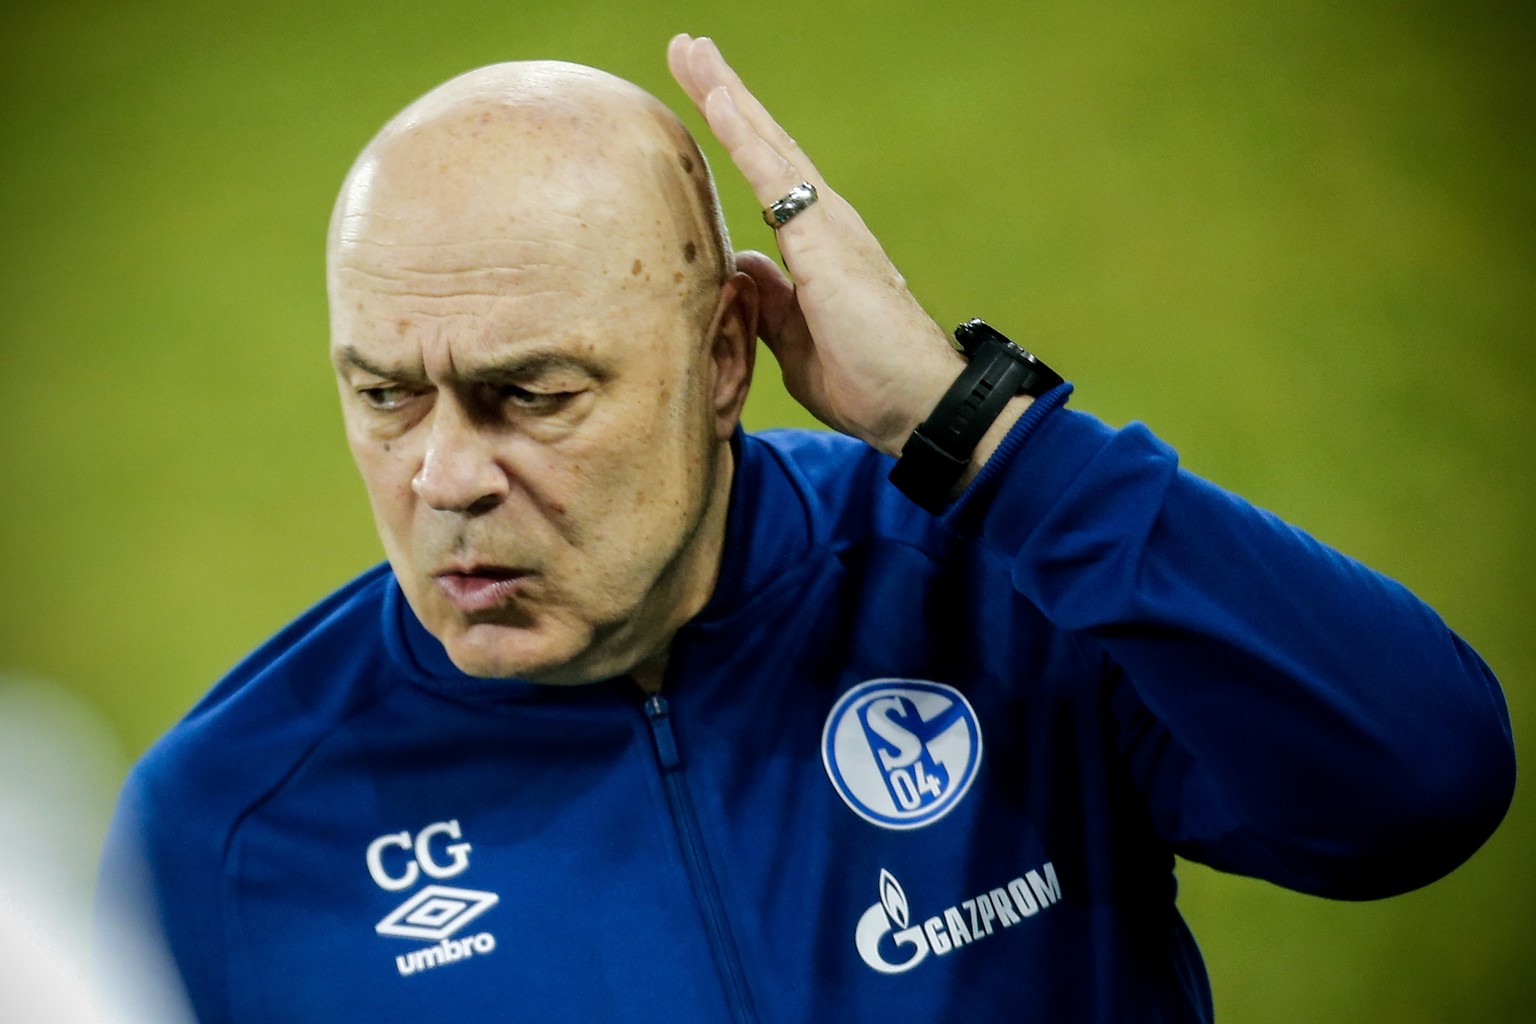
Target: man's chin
(501,652)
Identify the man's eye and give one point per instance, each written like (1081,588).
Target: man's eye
(538,402)
(385,398)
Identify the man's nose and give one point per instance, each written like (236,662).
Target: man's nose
(459,471)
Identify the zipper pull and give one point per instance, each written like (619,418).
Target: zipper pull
(659,715)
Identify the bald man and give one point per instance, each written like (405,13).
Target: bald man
(650,719)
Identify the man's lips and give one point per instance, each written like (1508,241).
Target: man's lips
(481,588)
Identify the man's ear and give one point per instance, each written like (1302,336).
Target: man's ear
(733,350)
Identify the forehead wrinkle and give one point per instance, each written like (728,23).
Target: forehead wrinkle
(525,320)
(362,241)
(547,307)
(468,282)
(457,254)
(546,261)
(494,269)
(362,223)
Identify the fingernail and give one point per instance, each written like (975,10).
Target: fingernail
(720,95)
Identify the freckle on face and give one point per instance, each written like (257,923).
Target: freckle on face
(690,252)
(638,266)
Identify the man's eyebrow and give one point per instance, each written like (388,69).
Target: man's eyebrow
(352,357)
(529,365)
(525,366)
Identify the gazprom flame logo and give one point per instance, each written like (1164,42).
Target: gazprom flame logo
(901,752)
(890,914)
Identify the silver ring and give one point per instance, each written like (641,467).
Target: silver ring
(795,200)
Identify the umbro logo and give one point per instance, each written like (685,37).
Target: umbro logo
(435,913)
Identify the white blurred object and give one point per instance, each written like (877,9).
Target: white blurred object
(39,983)
(59,766)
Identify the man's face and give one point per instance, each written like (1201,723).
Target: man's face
(533,422)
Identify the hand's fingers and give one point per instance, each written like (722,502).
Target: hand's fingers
(767,158)
(701,70)
(767,171)
(680,62)
(710,68)
(761,149)
(677,63)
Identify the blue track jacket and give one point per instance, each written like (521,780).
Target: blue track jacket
(902,768)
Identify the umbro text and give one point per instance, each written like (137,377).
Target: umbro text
(445,952)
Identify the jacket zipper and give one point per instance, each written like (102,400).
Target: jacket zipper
(727,960)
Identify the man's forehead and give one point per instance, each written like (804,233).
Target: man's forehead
(490,213)
(550,271)
(600,220)
(505,287)
(509,268)
(461,326)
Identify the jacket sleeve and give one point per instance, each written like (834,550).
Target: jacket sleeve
(1285,711)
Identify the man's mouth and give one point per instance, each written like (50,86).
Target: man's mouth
(480,588)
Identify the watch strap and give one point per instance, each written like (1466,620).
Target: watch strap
(935,457)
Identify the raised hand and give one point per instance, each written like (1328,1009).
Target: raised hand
(855,347)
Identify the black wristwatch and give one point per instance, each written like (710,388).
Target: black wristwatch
(936,455)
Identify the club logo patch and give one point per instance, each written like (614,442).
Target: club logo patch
(901,752)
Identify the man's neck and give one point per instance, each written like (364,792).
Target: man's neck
(699,572)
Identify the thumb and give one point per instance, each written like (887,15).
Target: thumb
(781,323)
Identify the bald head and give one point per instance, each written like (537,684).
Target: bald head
(505,165)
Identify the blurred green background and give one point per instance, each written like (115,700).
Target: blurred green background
(1295,238)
